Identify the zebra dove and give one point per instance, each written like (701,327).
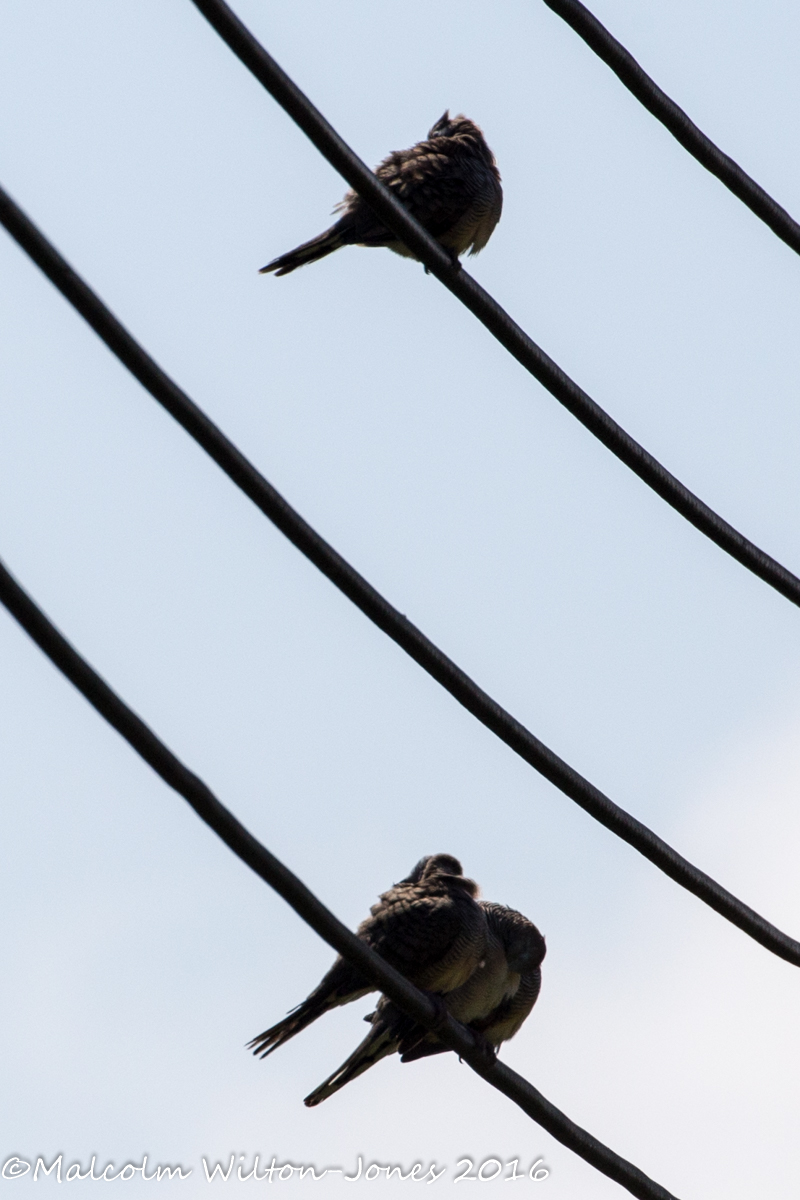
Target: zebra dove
(449,182)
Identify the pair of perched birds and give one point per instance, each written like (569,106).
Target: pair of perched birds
(449,182)
(481,960)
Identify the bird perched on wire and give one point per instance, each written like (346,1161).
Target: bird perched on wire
(449,182)
(430,927)
(493,1002)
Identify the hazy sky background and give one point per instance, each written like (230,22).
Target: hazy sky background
(139,954)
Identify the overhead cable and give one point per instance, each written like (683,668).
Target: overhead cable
(665,110)
(433,660)
(239,839)
(485,307)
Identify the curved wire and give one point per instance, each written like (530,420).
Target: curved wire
(372,603)
(486,308)
(305,903)
(665,110)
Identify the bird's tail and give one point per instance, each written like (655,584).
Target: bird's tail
(379,1042)
(309,252)
(421,1049)
(297,1020)
(339,986)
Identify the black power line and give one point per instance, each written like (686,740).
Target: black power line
(486,308)
(665,110)
(305,903)
(372,603)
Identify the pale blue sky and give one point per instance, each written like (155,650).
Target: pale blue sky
(140,955)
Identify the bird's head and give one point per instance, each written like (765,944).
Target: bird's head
(448,126)
(434,864)
(525,949)
(523,944)
(442,864)
(442,126)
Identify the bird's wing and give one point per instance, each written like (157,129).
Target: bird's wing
(428,183)
(433,932)
(433,189)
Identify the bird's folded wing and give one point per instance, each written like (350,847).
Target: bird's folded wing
(435,939)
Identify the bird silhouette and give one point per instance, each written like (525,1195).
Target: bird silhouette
(493,1002)
(429,926)
(449,182)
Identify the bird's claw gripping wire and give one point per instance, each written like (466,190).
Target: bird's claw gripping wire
(440,1011)
(485,1051)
